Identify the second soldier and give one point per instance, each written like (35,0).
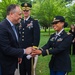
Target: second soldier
(29,35)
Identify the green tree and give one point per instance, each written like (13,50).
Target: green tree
(45,10)
(29,1)
(68,0)
(3,6)
(71,14)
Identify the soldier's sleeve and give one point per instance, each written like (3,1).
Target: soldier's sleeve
(46,47)
(36,33)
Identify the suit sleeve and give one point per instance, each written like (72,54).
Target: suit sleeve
(63,46)
(36,33)
(6,46)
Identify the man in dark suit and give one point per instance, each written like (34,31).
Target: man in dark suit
(58,45)
(29,35)
(10,53)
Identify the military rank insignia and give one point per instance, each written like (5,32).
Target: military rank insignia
(20,26)
(60,39)
(52,39)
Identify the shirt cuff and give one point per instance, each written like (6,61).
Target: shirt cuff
(24,51)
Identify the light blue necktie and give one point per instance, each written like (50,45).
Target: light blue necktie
(13,27)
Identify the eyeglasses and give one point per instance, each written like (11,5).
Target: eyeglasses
(25,10)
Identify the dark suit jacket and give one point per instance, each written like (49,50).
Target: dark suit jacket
(60,60)
(9,48)
(29,36)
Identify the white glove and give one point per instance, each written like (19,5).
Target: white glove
(28,56)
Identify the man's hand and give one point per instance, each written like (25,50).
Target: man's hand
(28,50)
(19,60)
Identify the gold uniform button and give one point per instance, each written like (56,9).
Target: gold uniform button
(22,39)
(22,32)
(19,32)
(22,36)
(23,28)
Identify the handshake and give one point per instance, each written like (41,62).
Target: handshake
(33,51)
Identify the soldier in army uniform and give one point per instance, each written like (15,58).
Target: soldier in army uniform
(29,35)
(58,45)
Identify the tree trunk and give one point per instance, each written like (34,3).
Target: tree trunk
(49,30)
(45,29)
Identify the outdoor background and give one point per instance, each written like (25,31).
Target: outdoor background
(42,64)
(44,11)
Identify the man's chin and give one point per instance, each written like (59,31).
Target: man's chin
(17,23)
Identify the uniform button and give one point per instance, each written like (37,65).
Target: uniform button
(22,36)
(22,39)
(22,32)
(23,28)
(19,32)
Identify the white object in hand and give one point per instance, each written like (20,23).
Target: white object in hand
(28,56)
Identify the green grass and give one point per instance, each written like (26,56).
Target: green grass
(51,31)
(42,64)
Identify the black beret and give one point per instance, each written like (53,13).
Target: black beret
(59,19)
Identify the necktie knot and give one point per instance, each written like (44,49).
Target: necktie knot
(24,21)
(56,36)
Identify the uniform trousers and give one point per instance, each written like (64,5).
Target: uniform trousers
(52,72)
(25,66)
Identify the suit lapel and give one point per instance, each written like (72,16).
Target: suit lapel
(11,30)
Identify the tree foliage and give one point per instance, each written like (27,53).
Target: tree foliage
(3,6)
(68,0)
(29,1)
(71,14)
(45,10)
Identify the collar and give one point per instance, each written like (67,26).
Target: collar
(10,22)
(27,18)
(59,32)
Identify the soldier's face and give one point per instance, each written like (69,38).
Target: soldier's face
(58,26)
(72,26)
(26,13)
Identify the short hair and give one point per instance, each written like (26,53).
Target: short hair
(11,8)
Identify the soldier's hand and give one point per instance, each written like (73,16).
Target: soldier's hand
(36,52)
